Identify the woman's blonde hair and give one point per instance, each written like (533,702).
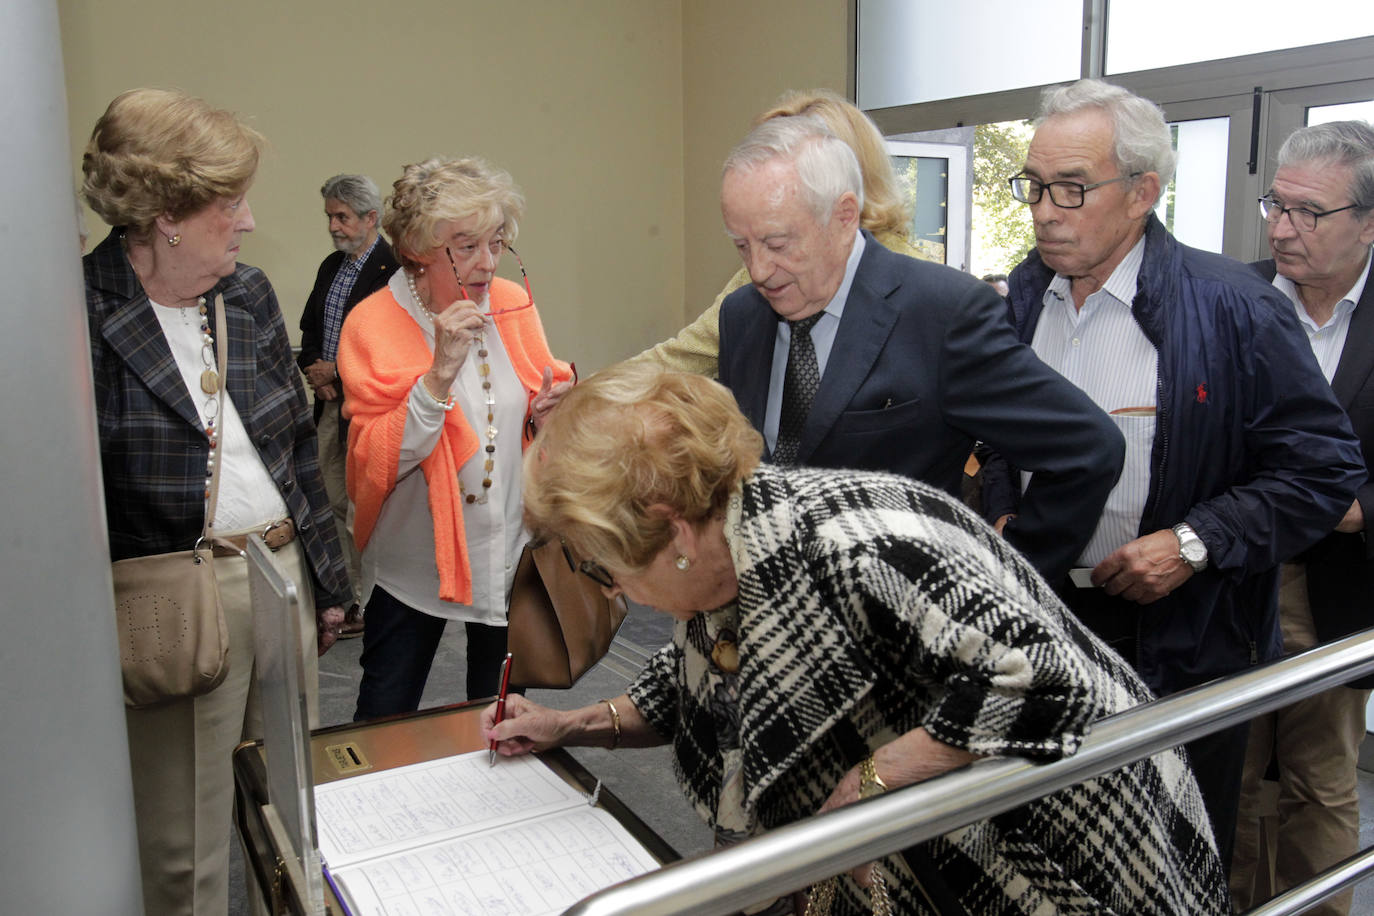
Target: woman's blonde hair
(885,208)
(161,151)
(627,449)
(438,189)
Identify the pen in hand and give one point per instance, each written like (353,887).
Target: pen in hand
(500,706)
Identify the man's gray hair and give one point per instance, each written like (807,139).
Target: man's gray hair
(1142,141)
(358,192)
(825,164)
(1347,143)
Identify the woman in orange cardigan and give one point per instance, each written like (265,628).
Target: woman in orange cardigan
(445,373)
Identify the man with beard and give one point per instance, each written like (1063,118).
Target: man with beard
(361,264)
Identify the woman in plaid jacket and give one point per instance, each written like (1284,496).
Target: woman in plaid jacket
(841,633)
(170,173)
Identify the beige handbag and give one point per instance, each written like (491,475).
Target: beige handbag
(560,623)
(173,640)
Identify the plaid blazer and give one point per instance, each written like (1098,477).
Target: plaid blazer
(152,444)
(870,605)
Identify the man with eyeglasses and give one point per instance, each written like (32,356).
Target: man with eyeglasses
(845,355)
(1319,215)
(361,264)
(1237,456)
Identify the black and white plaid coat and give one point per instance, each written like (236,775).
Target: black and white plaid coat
(152,443)
(870,605)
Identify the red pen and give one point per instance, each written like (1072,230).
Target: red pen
(500,706)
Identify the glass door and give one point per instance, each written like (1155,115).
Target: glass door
(935,176)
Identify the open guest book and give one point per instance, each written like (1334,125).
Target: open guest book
(455,836)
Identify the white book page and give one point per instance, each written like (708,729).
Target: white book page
(539,866)
(389,811)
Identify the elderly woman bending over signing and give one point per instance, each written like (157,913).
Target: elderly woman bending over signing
(841,632)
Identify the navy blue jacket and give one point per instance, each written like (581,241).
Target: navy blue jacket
(374,273)
(1251,450)
(923,364)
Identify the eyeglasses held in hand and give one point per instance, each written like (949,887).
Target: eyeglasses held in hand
(529,294)
(1303,219)
(1066,194)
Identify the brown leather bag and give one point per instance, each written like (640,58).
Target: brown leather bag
(173,640)
(560,623)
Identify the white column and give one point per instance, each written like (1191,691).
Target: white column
(67,844)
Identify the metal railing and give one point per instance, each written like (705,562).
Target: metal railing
(792,857)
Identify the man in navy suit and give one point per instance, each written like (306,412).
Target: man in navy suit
(360,265)
(1319,215)
(913,362)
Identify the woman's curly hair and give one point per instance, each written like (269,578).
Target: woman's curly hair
(440,189)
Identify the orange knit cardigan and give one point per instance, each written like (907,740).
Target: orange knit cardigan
(382,352)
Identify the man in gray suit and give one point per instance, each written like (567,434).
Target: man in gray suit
(844,354)
(1319,215)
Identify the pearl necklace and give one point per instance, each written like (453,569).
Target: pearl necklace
(489,400)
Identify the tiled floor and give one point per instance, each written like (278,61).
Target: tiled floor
(642,778)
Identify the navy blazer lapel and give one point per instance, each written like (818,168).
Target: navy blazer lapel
(867,323)
(241,385)
(373,271)
(133,332)
(1357,357)
(758,334)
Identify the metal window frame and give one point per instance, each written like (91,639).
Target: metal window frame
(1254,90)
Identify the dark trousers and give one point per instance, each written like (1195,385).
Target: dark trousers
(398,650)
(1218,759)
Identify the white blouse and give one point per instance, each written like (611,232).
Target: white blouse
(400,554)
(248,496)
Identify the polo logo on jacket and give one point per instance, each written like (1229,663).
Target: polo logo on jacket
(1202,393)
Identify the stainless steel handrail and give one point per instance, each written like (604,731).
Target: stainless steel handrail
(794,856)
(1332,881)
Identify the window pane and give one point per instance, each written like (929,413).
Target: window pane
(1350,111)
(1148,34)
(920,50)
(1193,207)
(1002,230)
(933,174)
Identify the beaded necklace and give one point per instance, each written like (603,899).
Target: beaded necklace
(209,383)
(489,400)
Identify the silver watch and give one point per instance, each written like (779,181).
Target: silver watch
(1190,547)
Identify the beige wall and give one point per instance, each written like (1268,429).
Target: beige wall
(613,115)
(738,57)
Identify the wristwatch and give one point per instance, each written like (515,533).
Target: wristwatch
(1190,547)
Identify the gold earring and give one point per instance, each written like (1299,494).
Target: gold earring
(174,240)
(682,563)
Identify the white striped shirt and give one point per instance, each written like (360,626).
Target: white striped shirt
(1327,340)
(1102,350)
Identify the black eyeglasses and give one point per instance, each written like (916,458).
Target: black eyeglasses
(529,294)
(597,573)
(1303,219)
(1066,194)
